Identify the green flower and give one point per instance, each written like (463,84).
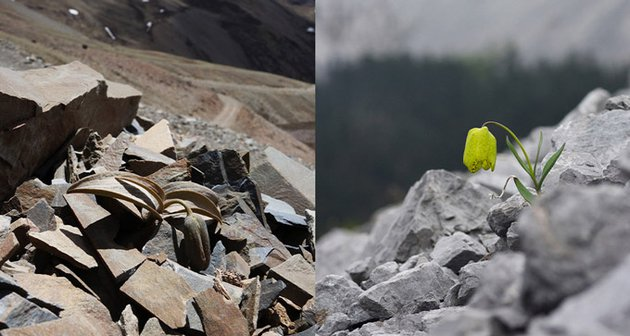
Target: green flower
(481,150)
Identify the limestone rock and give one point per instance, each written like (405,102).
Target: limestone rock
(457,250)
(336,294)
(337,249)
(502,215)
(381,273)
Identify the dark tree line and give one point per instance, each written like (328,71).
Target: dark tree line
(382,123)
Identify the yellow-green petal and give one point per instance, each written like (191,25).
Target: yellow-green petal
(480,150)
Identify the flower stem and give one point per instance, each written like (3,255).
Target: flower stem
(531,171)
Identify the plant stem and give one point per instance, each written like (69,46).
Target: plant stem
(176,200)
(531,172)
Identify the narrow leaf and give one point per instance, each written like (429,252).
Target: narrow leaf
(540,141)
(518,158)
(550,163)
(527,195)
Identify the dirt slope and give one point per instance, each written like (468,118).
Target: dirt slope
(267,103)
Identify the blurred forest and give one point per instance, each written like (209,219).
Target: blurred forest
(381,123)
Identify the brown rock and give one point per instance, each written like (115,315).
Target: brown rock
(255,233)
(299,276)
(178,171)
(83,311)
(112,157)
(158,139)
(67,243)
(251,302)
(42,108)
(31,191)
(153,327)
(100,228)
(220,316)
(42,215)
(160,291)
(235,263)
(129,322)
(283,178)
(8,247)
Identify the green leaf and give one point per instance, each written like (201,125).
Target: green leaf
(552,161)
(527,195)
(518,158)
(540,140)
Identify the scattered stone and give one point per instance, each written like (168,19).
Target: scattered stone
(334,322)
(439,204)
(602,309)
(170,305)
(418,259)
(513,239)
(217,259)
(468,322)
(251,302)
(158,139)
(16,311)
(270,289)
(129,322)
(235,263)
(32,191)
(457,250)
(572,237)
(299,276)
(502,215)
(162,242)
(256,235)
(44,107)
(336,294)
(67,243)
(429,284)
(42,215)
(178,171)
(285,179)
(8,247)
(470,278)
(153,328)
(380,274)
(220,316)
(336,254)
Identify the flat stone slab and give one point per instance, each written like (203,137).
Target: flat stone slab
(67,243)
(160,291)
(43,108)
(16,311)
(220,316)
(299,275)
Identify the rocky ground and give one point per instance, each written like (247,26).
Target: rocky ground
(133,260)
(452,261)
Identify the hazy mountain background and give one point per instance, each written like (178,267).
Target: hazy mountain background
(400,82)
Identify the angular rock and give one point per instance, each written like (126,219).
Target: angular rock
(336,294)
(78,308)
(129,322)
(602,309)
(418,259)
(513,239)
(572,237)
(178,171)
(8,247)
(381,273)
(299,276)
(158,139)
(236,264)
(470,278)
(70,325)
(334,322)
(429,284)
(67,243)
(42,108)
(145,162)
(457,250)
(162,242)
(468,322)
(16,311)
(439,204)
(170,305)
(218,167)
(285,179)
(502,215)
(100,227)
(217,259)
(112,157)
(197,282)
(153,328)
(621,102)
(270,289)
(31,191)
(256,235)
(220,316)
(42,215)
(251,302)
(337,250)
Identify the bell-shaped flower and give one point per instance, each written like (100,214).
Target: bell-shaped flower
(481,150)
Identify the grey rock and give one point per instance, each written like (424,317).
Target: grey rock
(592,143)
(359,270)
(217,259)
(470,278)
(380,273)
(197,282)
(439,204)
(16,311)
(193,320)
(621,102)
(572,237)
(513,238)
(592,103)
(378,225)
(602,309)
(502,215)
(413,261)
(236,264)
(457,250)
(337,250)
(489,241)
(335,294)
(42,215)
(500,281)
(452,297)
(334,322)
(269,291)
(468,322)
(162,242)
(407,325)
(418,289)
